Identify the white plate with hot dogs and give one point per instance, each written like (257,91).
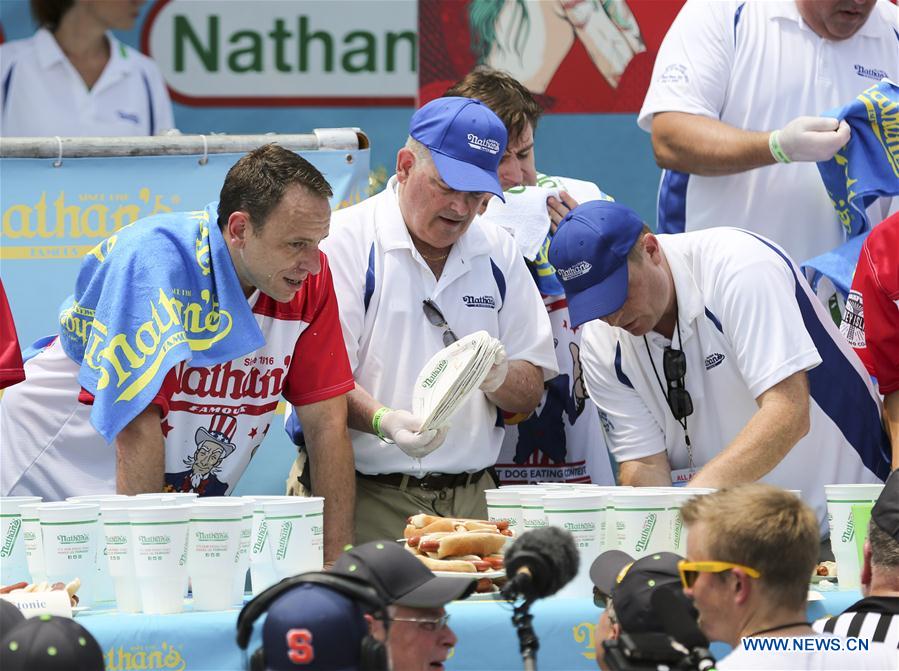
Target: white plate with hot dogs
(480,575)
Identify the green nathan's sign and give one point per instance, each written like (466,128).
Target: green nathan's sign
(315,51)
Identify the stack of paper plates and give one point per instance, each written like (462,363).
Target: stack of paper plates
(450,376)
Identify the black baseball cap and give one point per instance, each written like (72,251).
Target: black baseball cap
(401,578)
(885,513)
(630,583)
(50,643)
(10,616)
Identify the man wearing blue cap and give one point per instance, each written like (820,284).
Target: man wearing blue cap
(413,271)
(712,362)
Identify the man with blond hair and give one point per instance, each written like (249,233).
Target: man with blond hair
(750,552)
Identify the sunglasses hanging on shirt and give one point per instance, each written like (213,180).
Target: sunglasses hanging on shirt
(435,316)
(674,365)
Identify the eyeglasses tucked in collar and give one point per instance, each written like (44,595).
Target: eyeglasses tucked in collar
(690,570)
(435,316)
(426,623)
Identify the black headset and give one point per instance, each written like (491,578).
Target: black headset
(372,653)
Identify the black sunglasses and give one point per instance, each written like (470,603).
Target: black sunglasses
(600,598)
(435,316)
(674,363)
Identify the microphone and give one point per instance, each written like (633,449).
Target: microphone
(539,563)
(674,612)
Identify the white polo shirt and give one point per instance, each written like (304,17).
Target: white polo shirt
(755,65)
(747,322)
(42,94)
(484,285)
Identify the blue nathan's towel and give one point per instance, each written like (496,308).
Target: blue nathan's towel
(157,292)
(868,166)
(837,265)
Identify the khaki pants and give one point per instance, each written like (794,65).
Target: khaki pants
(295,486)
(381,510)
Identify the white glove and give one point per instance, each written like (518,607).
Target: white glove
(404,429)
(498,372)
(808,138)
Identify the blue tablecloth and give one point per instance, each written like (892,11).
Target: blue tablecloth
(487,640)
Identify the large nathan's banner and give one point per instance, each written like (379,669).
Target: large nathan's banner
(53,215)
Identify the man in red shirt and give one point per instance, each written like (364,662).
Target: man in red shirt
(11,370)
(871,320)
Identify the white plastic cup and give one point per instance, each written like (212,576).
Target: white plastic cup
(213,549)
(170,499)
(94,498)
(262,571)
(532,513)
(295,535)
(104,592)
(159,550)
(239,585)
(13,562)
(642,522)
(71,534)
(582,514)
(504,504)
(34,542)
(116,520)
(163,498)
(840,499)
(679,496)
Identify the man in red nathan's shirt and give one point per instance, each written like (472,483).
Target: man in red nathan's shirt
(11,370)
(871,321)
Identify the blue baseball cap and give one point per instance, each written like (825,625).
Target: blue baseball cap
(589,252)
(467,141)
(313,627)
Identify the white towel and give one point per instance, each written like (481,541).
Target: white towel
(524,213)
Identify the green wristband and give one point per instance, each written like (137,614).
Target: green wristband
(376,421)
(776,150)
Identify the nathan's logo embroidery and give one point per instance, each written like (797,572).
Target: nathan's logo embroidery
(870,73)
(674,74)
(483,144)
(126,116)
(578,269)
(480,302)
(853,325)
(713,360)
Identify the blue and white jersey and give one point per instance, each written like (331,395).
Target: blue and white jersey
(42,94)
(748,321)
(381,280)
(755,65)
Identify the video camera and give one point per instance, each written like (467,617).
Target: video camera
(654,652)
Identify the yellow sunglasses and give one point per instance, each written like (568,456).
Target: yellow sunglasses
(690,570)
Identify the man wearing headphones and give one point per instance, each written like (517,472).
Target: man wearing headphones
(415,629)
(316,621)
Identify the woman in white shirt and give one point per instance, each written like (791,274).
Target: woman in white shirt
(73,78)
